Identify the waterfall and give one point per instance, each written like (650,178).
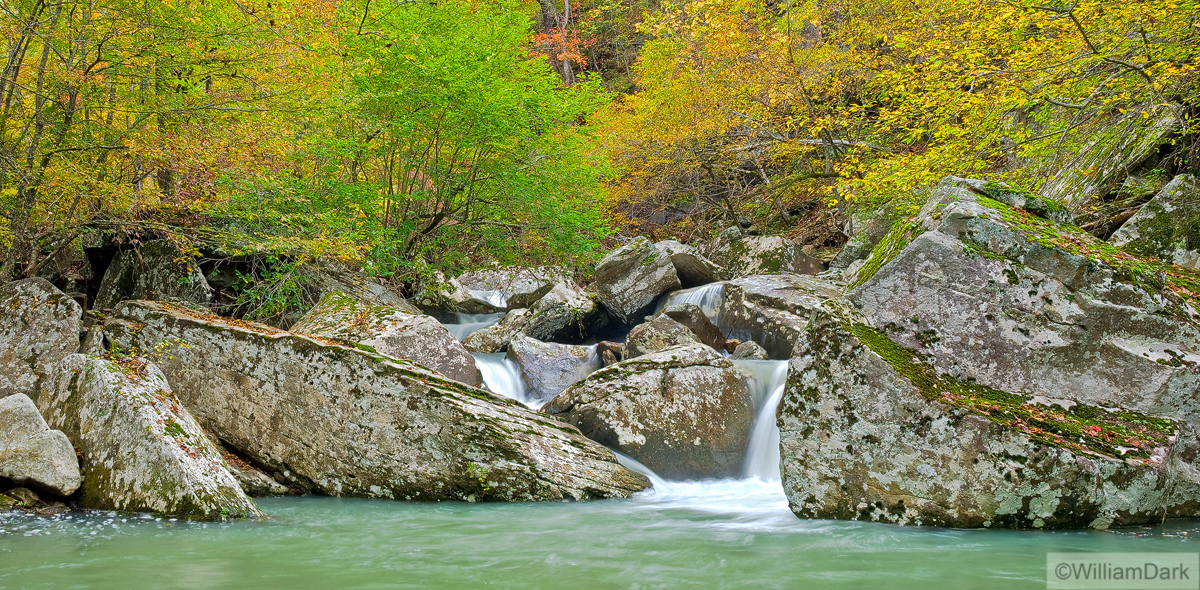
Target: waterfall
(496,298)
(466,323)
(767,381)
(503,376)
(707,298)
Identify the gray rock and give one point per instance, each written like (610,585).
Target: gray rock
(441,296)
(141,450)
(519,286)
(563,315)
(691,266)
(549,368)
(757,255)
(349,422)
(365,290)
(869,432)
(39,326)
(1013,197)
(865,228)
(658,334)
(629,279)
(495,338)
(30,453)
(393,332)
(155,270)
(254,482)
(1168,226)
(750,351)
(684,412)
(693,317)
(772,310)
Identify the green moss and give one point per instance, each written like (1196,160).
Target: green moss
(902,233)
(1083,429)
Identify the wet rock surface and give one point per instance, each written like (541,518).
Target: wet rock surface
(348,422)
(564,315)
(39,326)
(684,412)
(141,450)
(391,331)
(31,454)
(772,310)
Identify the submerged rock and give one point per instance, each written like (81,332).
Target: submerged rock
(155,270)
(629,279)
(684,412)
(393,332)
(31,454)
(39,326)
(1167,227)
(141,450)
(350,422)
(549,368)
(660,333)
(692,267)
(869,431)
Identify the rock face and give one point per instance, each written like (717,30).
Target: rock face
(550,368)
(30,453)
(772,310)
(157,271)
(865,229)
(365,290)
(691,316)
(684,412)
(39,326)
(751,351)
(629,279)
(348,422)
(519,286)
(692,267)
(756,255)
(1168,226)
(869,432)
(658,334)
(393,332)
(141,450)
(563,315)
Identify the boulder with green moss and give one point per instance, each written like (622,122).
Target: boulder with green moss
(684,412)
(141,450)
(1168,226)
(346,421)
(31,454)
(870,430)
(391,331)
(758,255)
(518,286)
(565,315)
(39,326)
(154,270)
(629,279)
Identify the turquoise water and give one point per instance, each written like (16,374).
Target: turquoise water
(702,535)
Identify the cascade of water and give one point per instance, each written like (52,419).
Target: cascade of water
(497,298)
(767,381)
(707,298)
(503,376)
(466,323)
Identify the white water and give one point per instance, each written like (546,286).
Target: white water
(767,381)
(466,323)
(503,376)
(497,298)
(707,298)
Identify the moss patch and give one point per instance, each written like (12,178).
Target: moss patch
(1086,430)
(902,233)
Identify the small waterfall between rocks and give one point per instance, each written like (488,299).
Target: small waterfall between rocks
(465,324)
(707,298)
(503,376)
(767,381)
(497,298)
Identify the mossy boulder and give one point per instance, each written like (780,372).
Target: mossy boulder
(33,455)
(548,368)
(870,430)
(518,286)
(39,326)
(346,421)
(745,256)
(692,267)
(141,450)
(155,270)
(390,331)
(1168,226)
(629,279)
(684,412)
(660,333)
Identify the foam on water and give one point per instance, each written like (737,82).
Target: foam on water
(497,298)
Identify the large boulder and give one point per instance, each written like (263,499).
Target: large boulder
(391,331)
(870,431)
(141,450)
(31,454)
(39,326)
(549,368)
(331,278)
(154,270)
(518,286)
(660,333)
(564,314)
(692,267)
(629,279)
(771,310)
(349,422)
(1168,226)
(694,318)
(756,255)
(684,412)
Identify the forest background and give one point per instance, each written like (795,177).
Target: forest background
(406,138)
